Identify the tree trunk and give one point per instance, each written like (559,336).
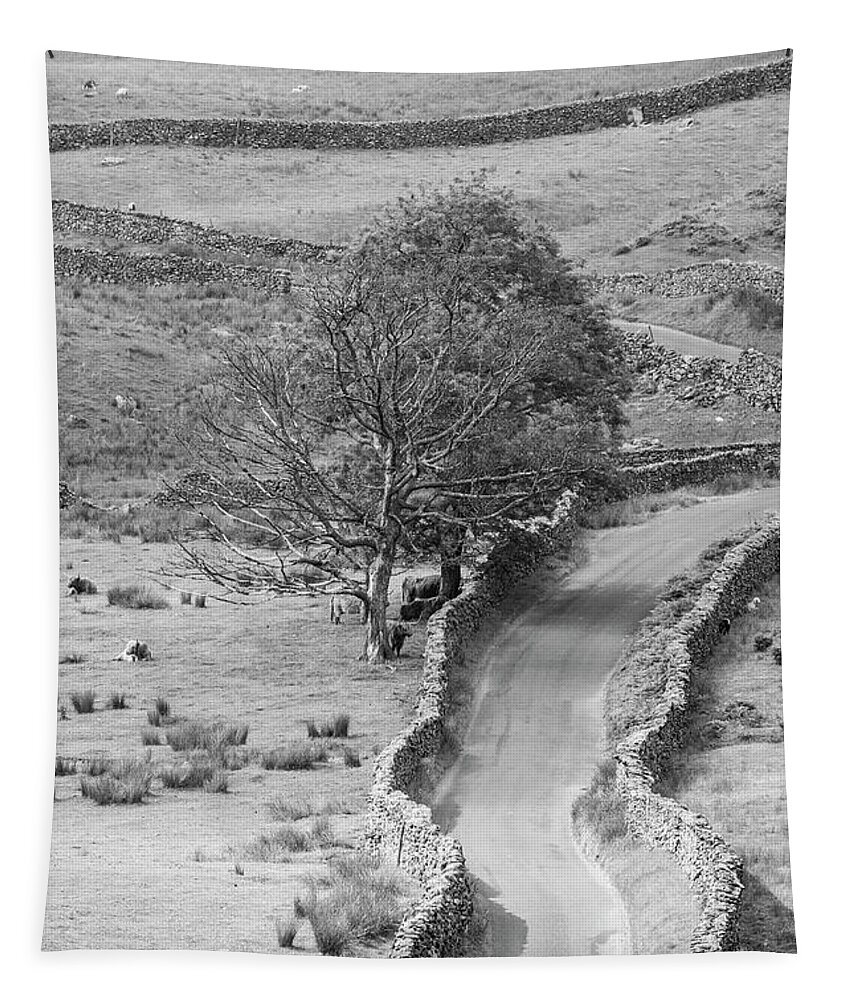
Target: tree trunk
(376,648)
(451,547)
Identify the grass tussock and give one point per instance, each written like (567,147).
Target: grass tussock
(196,771)
(351,758)
(285,931)
(212,737)
(118,700)
(600,808)
(136,597)
(338,727)
(65,766)
(122,783)
(362,901)
(72,658)
(83,701)
(287,809)
(297,756)
(150,737)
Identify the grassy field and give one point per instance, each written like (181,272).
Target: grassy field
(678,424)
(597,192)
(735,729)
(744,319)
(163,873)
(197,90)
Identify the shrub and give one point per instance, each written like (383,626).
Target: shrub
(298,756)
(118,700)
(285,931)
(205,736)
(351,758)
(134,596)
(83,701)
(762,642)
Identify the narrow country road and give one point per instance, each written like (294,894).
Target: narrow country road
(682,342)
(536,728)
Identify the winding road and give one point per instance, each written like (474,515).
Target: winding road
(682,342)
(535,730)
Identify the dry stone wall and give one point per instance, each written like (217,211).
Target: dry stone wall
(136,227)
(754,376)
(717,276)
(533,123)
(402,830)
(166,269)
(642,755)
(659,473)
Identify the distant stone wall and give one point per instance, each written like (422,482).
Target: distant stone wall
(136,227)
(534,123)
(401,830)
(717,276)
(167,269)
(658,474)
(755,377)
(642,755)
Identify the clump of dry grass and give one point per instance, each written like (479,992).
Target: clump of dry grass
(72,658)
(83,701)
(218,783)
(337,727)
(299,755)
(150,737)
(600,808)
(118,700)
(213,737)
(194,772)
(135,596)
(122,783)
(362,901)
(285,932)
(299,807)
(65,766)
(351,758)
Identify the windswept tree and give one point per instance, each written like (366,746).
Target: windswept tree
(453,375)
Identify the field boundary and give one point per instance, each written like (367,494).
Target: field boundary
(706,278)
(113,268)
(532,123)
(137,227)
(713,869)
(401,829)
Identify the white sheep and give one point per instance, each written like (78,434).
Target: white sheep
(754,604)
(122,94)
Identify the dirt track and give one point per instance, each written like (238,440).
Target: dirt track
(536,728)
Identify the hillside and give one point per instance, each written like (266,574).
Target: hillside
(159,88)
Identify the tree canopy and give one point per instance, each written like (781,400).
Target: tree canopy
(453,374)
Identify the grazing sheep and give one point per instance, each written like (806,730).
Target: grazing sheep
(300,89)
(135,650)
(754,604)
(131,207)
(122,94)
(89,88)
(81,585)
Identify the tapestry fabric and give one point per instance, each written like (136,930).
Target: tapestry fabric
(419,488)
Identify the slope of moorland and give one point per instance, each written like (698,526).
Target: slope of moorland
(598,192)
(163,89)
